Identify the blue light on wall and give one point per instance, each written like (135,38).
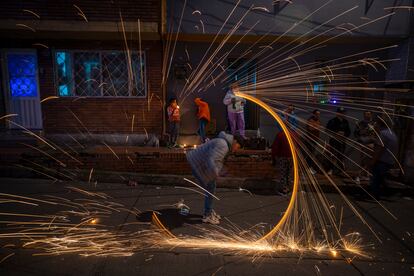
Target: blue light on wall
(22,75)
(63,63)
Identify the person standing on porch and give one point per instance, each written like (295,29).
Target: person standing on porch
(203,115)
(173,112)
(235,110)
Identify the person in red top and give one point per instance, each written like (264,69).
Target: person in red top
(203,115)
(281,153)
(173,112)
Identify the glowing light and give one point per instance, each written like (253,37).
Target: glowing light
(295,170)
(294,158)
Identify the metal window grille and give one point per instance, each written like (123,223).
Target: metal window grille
(100,74)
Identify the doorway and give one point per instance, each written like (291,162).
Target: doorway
(21,86)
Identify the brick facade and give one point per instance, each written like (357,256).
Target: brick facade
(102,115)
(98,115)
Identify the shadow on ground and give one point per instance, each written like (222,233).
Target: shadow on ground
(171,218)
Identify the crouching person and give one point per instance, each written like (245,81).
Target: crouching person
(206,163)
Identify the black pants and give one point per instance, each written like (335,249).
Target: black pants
(337,151)
(379,171)
(174,129)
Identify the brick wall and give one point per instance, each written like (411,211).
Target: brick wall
(240,166)
(95,10)
(101,115)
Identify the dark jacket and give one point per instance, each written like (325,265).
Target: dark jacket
(336,125)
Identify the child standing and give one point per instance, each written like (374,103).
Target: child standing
(203,115)
(281,153)
(235,110)
(173,111)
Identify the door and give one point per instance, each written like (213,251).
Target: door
(23,89)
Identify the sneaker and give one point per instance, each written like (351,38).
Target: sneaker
(312,171)
(214,214)
(357,180)
(210,219)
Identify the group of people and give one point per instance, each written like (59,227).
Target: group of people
(235,115)
(174,118)
(377,145)
(206,161)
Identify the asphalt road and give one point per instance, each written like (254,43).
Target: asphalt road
(394,255)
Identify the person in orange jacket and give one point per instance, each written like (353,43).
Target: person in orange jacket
(203,115)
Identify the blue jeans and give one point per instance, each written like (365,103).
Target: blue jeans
(202,129)
(208,199)
(379,170)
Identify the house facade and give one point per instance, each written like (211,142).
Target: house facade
(91,66)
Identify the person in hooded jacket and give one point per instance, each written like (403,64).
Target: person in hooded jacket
(206,162)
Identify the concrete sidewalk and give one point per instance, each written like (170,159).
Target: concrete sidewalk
(394,256)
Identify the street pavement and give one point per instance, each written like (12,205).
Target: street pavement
(394,255)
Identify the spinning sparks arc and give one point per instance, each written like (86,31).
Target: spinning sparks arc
(292,201)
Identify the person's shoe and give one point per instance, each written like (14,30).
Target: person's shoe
(210,219)
(312,171)
(214,214)
(357,180)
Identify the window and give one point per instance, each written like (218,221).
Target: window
(100,74)
(22,75)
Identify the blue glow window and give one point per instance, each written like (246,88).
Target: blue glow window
(100,74)
(318,87)
(64,73)
(22,75)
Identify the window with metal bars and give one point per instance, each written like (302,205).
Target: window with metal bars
(100,74)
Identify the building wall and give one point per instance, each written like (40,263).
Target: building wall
(94,10)
(278,17)
(96,115)
(214,95)
(104,114)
